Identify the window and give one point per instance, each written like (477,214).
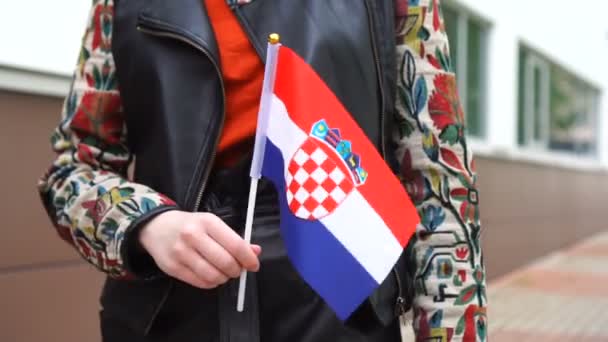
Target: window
(557,110)
(468,46)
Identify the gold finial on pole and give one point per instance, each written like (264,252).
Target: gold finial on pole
(274,38)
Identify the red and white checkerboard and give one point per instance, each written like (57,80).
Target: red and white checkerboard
(316,183)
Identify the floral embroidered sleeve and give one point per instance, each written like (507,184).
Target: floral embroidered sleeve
(438,171)
(86,192)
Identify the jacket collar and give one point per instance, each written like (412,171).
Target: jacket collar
(187,18)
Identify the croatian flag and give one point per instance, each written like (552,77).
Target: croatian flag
(345,217)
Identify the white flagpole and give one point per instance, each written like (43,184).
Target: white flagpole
(258,149)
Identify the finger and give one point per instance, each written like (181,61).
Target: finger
(189,277)
(196,263)
(256,249)
(235,245)
(217,256)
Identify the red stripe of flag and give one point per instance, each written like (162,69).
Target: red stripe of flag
(308,100)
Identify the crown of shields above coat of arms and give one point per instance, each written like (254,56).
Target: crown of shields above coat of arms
(322,173)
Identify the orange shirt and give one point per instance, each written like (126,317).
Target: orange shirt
(243,74)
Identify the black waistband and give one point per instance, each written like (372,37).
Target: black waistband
(228,191)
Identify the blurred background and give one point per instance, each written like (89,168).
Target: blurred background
(532,78)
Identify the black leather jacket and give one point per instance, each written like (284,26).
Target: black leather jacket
(168,70)
(171,87)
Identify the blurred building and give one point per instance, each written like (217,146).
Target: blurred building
(532,80)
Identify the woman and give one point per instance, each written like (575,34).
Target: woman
(173,86)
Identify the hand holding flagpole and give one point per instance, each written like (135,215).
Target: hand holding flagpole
(258,150)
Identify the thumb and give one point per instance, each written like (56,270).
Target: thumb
(256,249)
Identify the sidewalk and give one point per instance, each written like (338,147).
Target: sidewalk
(560,298)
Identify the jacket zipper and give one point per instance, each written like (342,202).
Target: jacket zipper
(379,76)
(400,304)
(160,305)
(165,33)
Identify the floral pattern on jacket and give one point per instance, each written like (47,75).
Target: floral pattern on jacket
(94,206)
(438,171)
(86,191)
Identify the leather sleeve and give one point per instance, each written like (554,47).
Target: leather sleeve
(438,170)
(86,192)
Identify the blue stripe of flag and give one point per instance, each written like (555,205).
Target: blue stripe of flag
(319,257)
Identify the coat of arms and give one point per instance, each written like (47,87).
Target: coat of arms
(322,173)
